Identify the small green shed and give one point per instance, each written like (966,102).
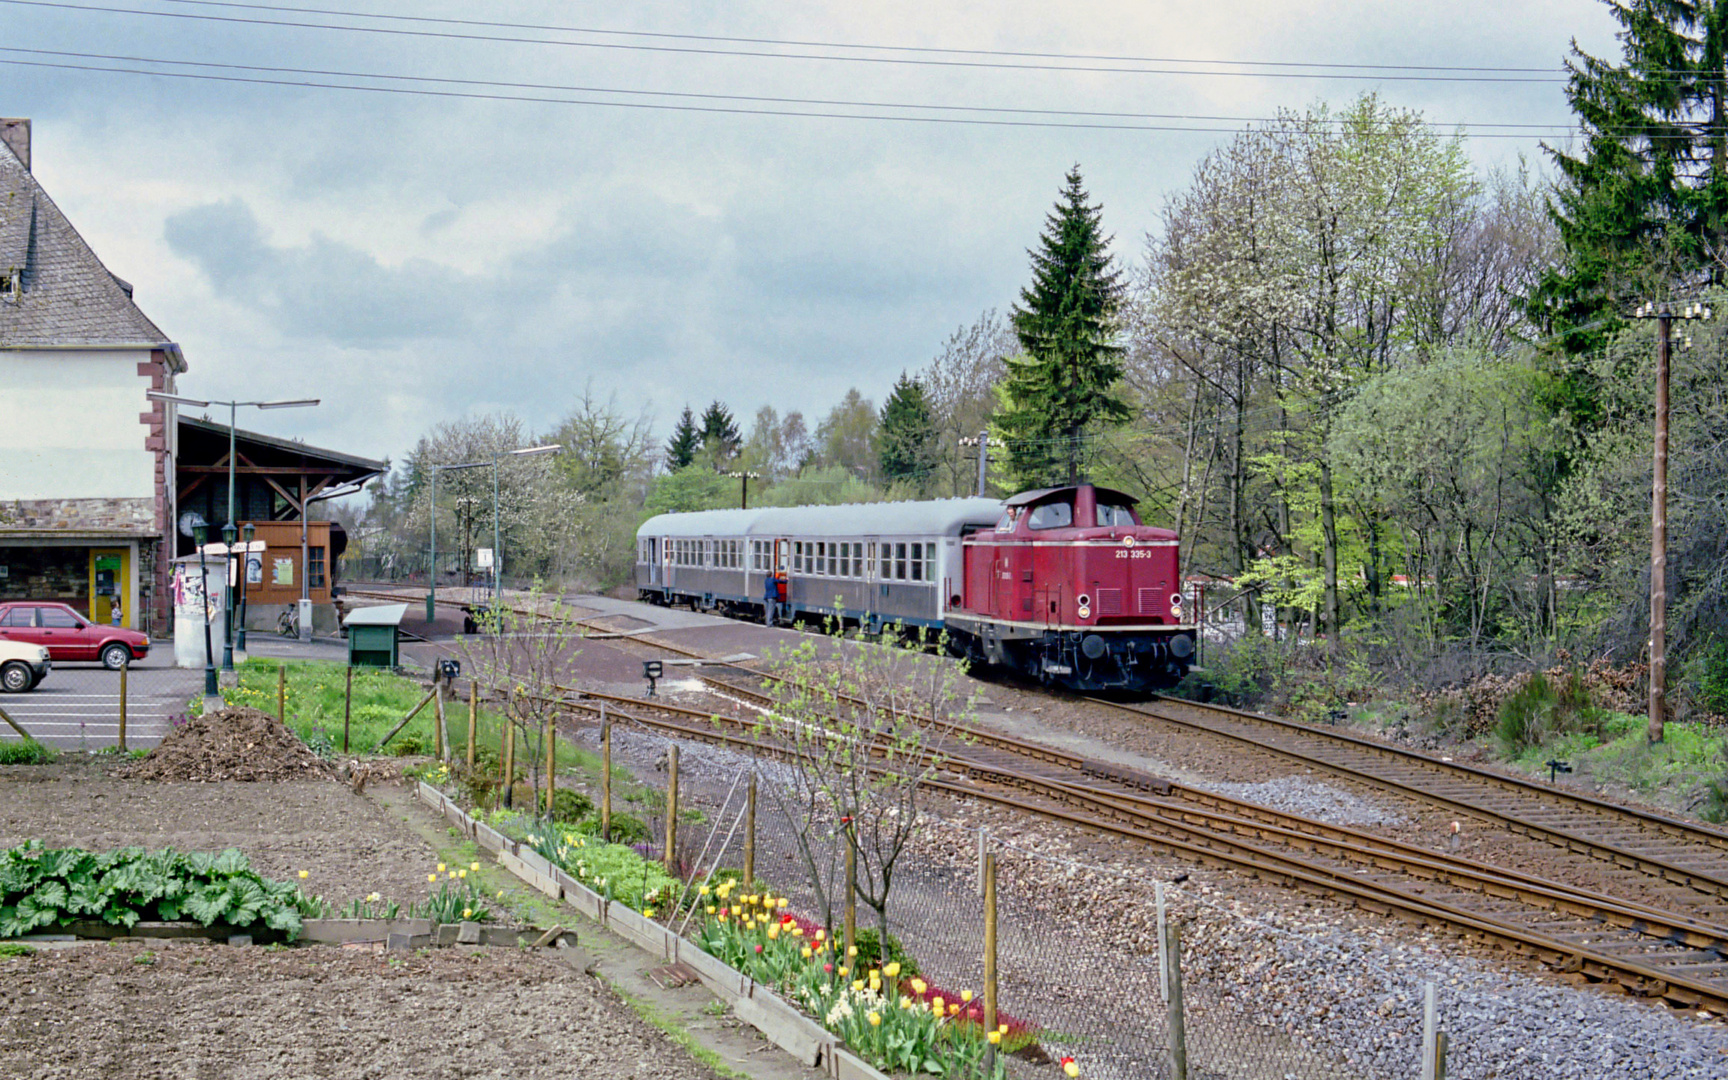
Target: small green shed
(372,638)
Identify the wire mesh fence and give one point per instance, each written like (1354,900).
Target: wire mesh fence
(1067,984)
(87,706)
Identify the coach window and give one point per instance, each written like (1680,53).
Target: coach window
(833,560)
(870,561)
(916,563)
(1052,515)
(899,562)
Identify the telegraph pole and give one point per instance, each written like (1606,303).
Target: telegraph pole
(1659,515)
(982,442)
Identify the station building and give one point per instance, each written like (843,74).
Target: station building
(93,473)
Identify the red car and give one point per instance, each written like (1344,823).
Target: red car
(69,635)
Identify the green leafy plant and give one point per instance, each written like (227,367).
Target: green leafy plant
(41,886)
(26,752)
(457,900)
(870,952)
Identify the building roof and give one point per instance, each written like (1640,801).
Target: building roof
(937,517)
(290,446)
(68,298)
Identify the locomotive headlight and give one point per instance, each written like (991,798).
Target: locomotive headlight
(1084,609)
(1176,601)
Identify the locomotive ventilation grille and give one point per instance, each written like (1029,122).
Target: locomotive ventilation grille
(1149,602)
(1109,601)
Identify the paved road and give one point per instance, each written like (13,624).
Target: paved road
(78,704)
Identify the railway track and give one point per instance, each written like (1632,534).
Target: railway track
(1647,949)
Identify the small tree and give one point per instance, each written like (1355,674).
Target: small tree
(719,434)
(905,440)
(686,440)
(865,726)
(525,655)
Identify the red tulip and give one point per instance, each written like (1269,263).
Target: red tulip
(758,948)
(828,969)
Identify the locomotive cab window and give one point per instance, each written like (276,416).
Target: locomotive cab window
(1111,515)
(1052,515)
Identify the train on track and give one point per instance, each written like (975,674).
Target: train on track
(1063,585)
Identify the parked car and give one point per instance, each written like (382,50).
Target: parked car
(22,666)
(68,635)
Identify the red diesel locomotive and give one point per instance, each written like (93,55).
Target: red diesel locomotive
(1071,589)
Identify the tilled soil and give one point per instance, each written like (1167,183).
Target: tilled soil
(182,1010)
(348,844)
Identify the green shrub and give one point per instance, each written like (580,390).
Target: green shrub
(570,807)
(1715,808)
(1543,709)
(870,952)
(626,828)
(1713,677)
(26,752)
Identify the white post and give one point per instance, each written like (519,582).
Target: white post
(1163,957)
(1428,1025)
(983,846)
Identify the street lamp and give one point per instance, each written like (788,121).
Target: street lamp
(200,532)
(228,529)
(744,493)
(497,549)
(432,570)
(246,531)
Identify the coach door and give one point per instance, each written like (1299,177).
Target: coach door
(652,558)
(667,544)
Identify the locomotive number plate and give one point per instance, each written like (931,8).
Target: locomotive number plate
(1138,554)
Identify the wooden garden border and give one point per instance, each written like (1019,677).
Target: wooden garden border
(753,1003)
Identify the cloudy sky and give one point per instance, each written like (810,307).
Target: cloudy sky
(414,257)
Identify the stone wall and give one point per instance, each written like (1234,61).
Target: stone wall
(112,517)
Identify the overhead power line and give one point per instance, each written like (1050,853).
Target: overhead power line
(920,61)
(866,46)
(1434,127)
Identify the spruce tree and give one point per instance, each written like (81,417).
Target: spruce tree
(905,440)
(1064,381)
(686,440)
(1642,209)
(720,437)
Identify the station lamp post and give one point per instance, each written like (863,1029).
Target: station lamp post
(744,492)
(432,571)
(229,527)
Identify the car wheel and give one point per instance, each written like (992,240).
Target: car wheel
(15,678)
(115,656)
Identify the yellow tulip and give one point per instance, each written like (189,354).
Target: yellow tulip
(431,877)
(995,1037)
(440,868)
(1003,1029)
(474,866)
(773,933)
(875,1019)
(858,985)
(463,874)
(875,983)
(710,909)
(808,953)
(1071,1069)
(851,951)
(892,969)
(953,1008)
(303,875)
(919,986)
(936,1006)
(966,996)
(467,913)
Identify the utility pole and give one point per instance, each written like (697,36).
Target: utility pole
(982,442)
(744,493)
(1659,515)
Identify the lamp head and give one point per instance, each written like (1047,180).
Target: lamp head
(228,533)
(200,532)
(247,530)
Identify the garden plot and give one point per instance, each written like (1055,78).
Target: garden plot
(160,1010)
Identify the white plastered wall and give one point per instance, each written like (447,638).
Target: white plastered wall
(69,426)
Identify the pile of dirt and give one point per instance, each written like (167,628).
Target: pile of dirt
(231,744)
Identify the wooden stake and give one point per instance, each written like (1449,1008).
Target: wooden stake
(347,707)
(13,724)
(1173,998)
(1439,1055)
(124,668)
(605,776)
(852,901)
(672,809)
(989,878)
(551,763)
(509,761)
(282,694)
(402,723)
(473,719)
(438,719)
(750,834)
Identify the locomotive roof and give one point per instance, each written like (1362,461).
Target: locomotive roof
(937,517)
(1104,495)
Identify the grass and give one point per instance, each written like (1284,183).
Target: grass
(26,752)
(675,1031)
(1691,757)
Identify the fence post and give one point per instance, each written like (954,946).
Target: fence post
(750,833)
(605,776)
(437,718)
(672,809)
(1429,1017)
(347,706)
(124,668)
(473,720)
(987,876)
(282,692)
(1163,957)
(551,762)
(1173,996)
(1439,1055)
(983,846)
(509,762)
(852,903)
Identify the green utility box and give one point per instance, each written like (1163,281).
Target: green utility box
(372,635)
